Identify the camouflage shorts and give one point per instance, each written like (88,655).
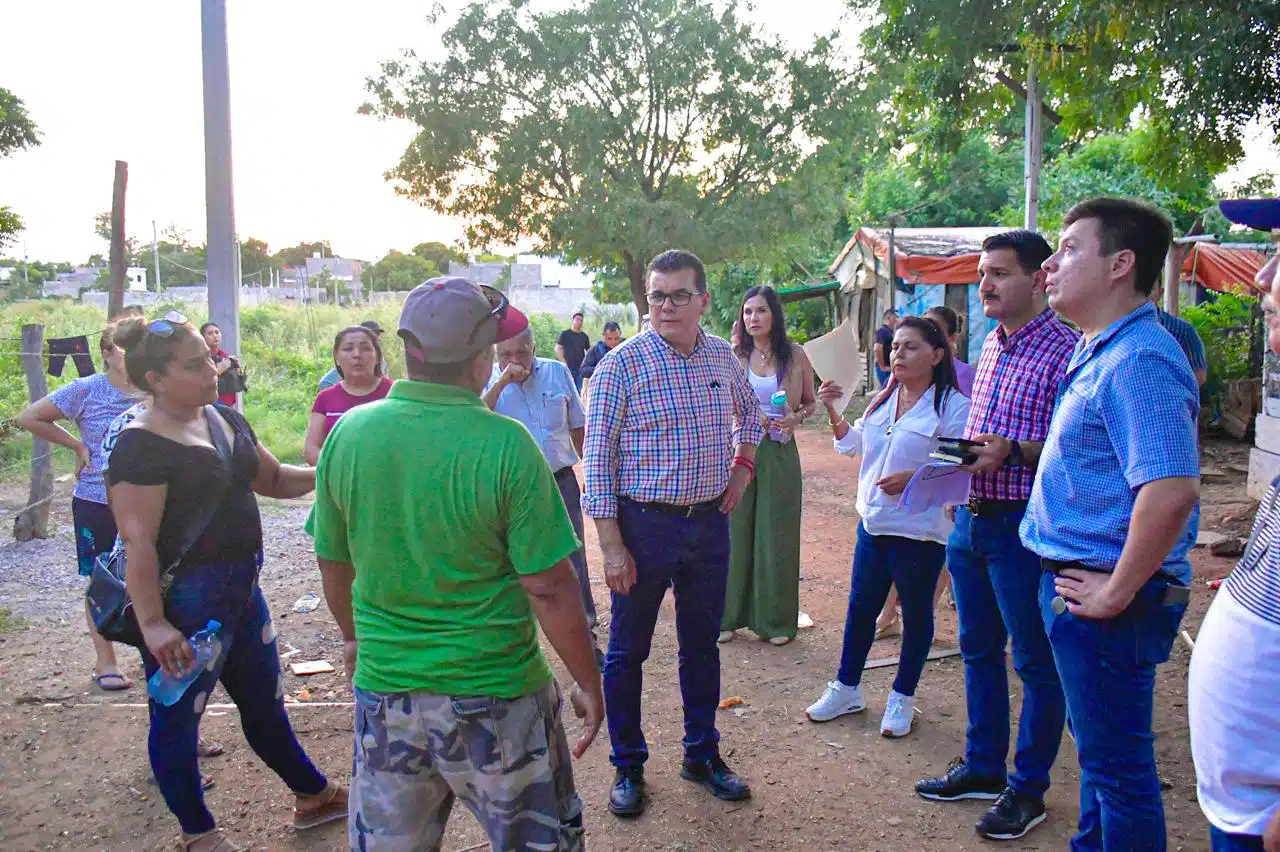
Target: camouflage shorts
(507,760)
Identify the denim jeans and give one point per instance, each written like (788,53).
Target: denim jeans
(1220,841)
(1108,670)
(571,493)
(691,556)
(911,565)
(249,668)
(996,585)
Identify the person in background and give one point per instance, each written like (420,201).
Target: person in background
(1186,335)
(91,403)
(357,356)
(894,438)
(1233,689)
(949,321)
(609,340)
(443,545)
(540,393)
(222,362)
(163,469)
(671,442)
(571,348)
(763,589)
(994,578)
(1119,475)
(332,377)
(882,344)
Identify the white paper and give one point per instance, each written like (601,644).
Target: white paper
(935,486)
(835,358)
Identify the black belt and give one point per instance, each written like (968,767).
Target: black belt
(672,508)
(1174,594)
(982,508)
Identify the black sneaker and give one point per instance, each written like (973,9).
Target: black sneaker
(1013,815)
(717,777)
(626,799)
(959,783)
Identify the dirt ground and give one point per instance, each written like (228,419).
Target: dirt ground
(74,765)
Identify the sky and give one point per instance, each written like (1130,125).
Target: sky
(108,81)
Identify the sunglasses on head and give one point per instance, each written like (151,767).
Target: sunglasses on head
(168,324)
(497,302)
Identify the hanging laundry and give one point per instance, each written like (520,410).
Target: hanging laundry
(77,348)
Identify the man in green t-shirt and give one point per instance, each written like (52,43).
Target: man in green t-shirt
(443,543)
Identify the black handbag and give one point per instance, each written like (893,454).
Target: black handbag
(107,595)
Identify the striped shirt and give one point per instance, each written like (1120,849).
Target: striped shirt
(1014,393)
(1187,336)
(1255,582)
(662,426)
(1126,416)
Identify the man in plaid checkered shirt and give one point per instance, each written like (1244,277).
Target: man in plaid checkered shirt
(672,429)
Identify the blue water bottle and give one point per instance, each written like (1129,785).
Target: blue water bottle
(207,646)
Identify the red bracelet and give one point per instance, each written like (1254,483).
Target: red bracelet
(743,461)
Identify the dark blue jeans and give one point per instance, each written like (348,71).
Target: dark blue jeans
(1108,673)
(571,493)
(911,565)
(996,585)
(249,668)
(1220,841)
(691,556)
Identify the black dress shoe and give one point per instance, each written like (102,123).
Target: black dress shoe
(626,799)
(717,777)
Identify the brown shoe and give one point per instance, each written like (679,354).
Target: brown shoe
(213,841)
(314,811)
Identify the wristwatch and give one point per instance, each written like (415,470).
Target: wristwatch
(1015,456)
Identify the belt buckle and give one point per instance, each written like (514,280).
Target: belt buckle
(688,511)
(972,506)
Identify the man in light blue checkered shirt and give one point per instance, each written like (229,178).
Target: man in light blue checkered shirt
(1118,478)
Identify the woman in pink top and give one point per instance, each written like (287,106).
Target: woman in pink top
(358,358)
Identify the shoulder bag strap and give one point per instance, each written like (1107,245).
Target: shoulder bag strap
(209,507)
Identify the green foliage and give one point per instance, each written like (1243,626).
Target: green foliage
(609,132)
(297,255)
(1223,326)
(1199,73)
(17,131)
(439,255)
(399,271)
(10,622)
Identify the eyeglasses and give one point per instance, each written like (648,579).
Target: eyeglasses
(168,324)
(499,304)
(679,298)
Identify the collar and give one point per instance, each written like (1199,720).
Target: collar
(432,393)
(698,344)
(1145,311)
(1029,330)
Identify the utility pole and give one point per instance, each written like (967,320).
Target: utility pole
(115,297)
(1034,146)
(155,254)
(893,265)
(223,277)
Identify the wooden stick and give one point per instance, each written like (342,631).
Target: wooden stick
(33,522)
(939,654)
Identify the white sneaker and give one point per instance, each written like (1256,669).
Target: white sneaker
(838,700)
(725,636)
(898,715)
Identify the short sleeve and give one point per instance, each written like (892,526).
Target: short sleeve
(1195,351)
(317,407)
(538,530)
(1150,407)
(564,335)
(137,460)
(327,524)
(70,398)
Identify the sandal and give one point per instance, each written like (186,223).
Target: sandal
(206,781)
(329,806)
(223,844)
(893,628)
(118,681)
(205,748)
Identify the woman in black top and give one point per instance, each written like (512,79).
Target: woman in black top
(164,471)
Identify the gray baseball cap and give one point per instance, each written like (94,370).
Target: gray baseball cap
(446,320)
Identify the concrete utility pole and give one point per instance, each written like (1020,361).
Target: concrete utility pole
(115,296)
(1034,153)
(223,257)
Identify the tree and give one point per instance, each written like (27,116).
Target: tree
(398,271)
(297,255)
(336,288)
(1198,72)
(255,261)
(17,132)
(439,255)
(608,132)
(102,227)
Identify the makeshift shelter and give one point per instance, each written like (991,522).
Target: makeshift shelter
(933,266)
(1223,267)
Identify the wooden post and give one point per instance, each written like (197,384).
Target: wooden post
(115,299)
(34,522)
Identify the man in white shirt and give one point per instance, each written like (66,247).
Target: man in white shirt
(541,394)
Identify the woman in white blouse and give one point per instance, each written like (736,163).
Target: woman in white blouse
(894,437)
